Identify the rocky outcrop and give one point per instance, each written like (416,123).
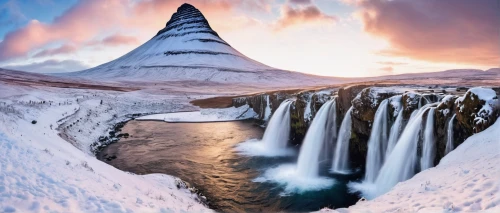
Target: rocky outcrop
(410,103)
(444,112)
(477,110)
(345,96)
(302,111)
(364,106)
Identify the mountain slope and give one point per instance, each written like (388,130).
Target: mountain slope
(189,49)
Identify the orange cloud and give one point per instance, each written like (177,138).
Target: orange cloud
(301,15)
(458,31)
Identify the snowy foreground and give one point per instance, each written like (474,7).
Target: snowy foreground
(466,180)
(41,172)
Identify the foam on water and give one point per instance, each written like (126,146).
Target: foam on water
(255,147)
(286,176)
(275,139)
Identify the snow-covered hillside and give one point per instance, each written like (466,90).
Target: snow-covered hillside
(188,49)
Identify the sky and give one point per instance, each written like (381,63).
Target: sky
(346,38)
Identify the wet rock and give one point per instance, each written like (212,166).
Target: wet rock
(365,104)
(346,95)
(410,103)
(477,110)
(444,112)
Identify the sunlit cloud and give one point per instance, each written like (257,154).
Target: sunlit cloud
(458,31)
(302,15)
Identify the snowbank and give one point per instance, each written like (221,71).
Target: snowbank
(41,172)
(205,115)
(467,179)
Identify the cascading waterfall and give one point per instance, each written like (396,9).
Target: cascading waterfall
(278,130)
(377,144)
(317,135)
(429,146)
(449,139)
(341,155)
(395,132)
(400,165)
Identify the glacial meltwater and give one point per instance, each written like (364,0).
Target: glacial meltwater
(204,155)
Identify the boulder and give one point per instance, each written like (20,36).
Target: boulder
(477,109)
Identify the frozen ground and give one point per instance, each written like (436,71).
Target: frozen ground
(41,172)
(466,180)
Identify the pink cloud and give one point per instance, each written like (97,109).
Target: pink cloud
(458,31)
(90,18)
(79,23)
(115,40)
(64,49)
(304,14)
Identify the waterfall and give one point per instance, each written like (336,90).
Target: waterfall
(429,145)
(400,165)
(395,131)
(341,155)
(267,112)
(318,134)
(377,144)
(278,130)
(449,139)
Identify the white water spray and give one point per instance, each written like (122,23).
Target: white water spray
(395,132)
(400,165)
(278,130)
(449,139)
(377,144)
(429,145)
(341,155)
(317,135)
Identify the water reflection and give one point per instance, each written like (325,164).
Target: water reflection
(203,155)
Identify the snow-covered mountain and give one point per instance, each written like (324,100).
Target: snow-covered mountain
(189,49)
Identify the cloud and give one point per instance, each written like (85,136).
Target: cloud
(391,63)
(79,23)
(386,70)
(300,1)
(304,14)
(50,66)
(64,49)
(90,19)
(115,40)
(456,31)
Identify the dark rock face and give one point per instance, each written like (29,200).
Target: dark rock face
(472,115)
(410,103)
(346,95)
(187,17)
(444,112)
(363,114)
(365,101)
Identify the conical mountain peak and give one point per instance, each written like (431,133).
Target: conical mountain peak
(187,18)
